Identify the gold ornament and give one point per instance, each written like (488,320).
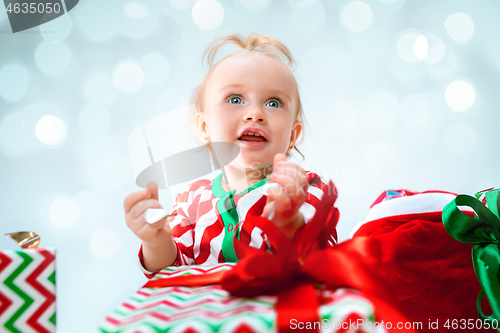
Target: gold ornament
(25,239)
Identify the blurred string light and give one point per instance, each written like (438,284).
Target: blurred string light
(460,27)
(128,77)
(52,57)
(460,96)
(156,68)
(436,49)
(460,138)
(412,47)
(421,47)
(13,82)
(99,89)
(64,212)
(208,14)
(94,120)
(309,15)
(20,129)
(50,130)
(357,16)
(105,243)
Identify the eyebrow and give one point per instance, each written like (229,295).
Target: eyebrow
(240,85)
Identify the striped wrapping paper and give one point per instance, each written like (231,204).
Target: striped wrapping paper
(212,309)
(28,291)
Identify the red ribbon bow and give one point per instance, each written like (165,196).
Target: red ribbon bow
(291,271)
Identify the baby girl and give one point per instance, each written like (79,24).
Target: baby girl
(249,98)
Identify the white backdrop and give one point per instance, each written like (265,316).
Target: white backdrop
(397,94)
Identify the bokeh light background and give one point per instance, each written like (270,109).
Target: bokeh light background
(397,94)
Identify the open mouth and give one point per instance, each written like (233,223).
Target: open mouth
(252,137)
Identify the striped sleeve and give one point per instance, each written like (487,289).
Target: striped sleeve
(182,232)
(184,223)
(148,274)
(315,192)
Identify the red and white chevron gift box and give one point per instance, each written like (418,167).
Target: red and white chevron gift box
(211,309)
(28,290)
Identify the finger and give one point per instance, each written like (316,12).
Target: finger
(288,184)
(292,169)
(278,158)
(292,178)
(141,207)
(283,209)
(269,170)
(134,198)
(153,226)
(152,187)
(267,209)
(281,201)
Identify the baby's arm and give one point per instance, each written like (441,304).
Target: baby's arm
(159,249)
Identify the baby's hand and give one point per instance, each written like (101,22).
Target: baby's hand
(135,205)
(287,199)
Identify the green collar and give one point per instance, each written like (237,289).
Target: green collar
(219,192)
(229,215)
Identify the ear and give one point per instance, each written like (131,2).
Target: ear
(201,126)
(296,130)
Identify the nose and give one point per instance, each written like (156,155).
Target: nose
(255,113)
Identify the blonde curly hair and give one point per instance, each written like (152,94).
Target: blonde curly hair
(261,44)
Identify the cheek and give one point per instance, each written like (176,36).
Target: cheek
(284,137)
(218,128)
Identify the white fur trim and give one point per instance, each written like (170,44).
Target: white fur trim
(414,204)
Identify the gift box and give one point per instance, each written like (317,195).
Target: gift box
(484,231)
(212,309)
(28,290)
(309,284)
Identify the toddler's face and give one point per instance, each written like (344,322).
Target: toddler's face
(251,100)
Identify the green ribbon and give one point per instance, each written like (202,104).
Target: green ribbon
(229,215)
(484,232)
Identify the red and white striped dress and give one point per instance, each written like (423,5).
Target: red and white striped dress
(198,229)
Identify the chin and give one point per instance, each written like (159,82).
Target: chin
(255,165)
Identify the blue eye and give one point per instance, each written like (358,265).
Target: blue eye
(274,104)
(235,100)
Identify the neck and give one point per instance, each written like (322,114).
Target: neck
(240,179)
